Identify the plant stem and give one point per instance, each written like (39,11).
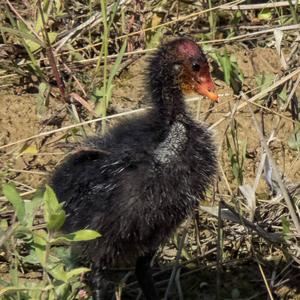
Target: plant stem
(294,10)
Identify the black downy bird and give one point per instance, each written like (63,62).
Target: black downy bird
(138,182)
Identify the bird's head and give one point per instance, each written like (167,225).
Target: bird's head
(189,66)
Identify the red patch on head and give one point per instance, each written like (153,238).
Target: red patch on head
(189,48)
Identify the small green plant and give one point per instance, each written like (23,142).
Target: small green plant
(236,150)
(294,139)
(265,15)
(263,81)
(31,42)
(102,96)
(233,76)
(32,246)
(282,98)
(212,20)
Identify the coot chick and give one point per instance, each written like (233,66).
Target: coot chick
(137,183)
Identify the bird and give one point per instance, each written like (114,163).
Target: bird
(139,181)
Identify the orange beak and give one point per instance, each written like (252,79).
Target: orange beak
(205,86)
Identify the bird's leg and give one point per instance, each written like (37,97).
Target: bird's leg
(99,283)
(144,277)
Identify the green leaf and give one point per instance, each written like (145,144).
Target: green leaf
(56,220)
(285,226)
(62,291)
(42,97)
(31,208)
(13,272)
(264,80)
(10,290)
(97,94)
(155,38)
(58,272)
(113,13)
(39,23)
(53,213)
(117,63)
(14,198)
(265,15)
(24,35)
(282,96)
(106,91)
(23,232)
(31,258)
(52,295)
(83,235)
(294,140)
(233,76)
(30,149)
(76,272)
(244,145)
(40,241)
(3,225)
(226,67)
(58,5)
(52,36)
(4,283)
(80,235)
(33,46)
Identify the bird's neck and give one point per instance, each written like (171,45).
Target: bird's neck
(163,86)
(169,110)
(168,102)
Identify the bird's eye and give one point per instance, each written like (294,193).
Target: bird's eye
(195,67)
